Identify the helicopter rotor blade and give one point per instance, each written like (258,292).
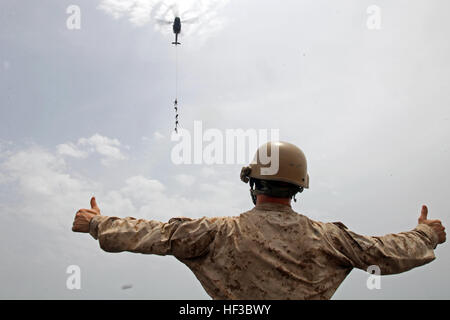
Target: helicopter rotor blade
(191,20)
(163,22)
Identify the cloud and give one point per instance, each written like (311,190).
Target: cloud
(141,12)
(141,189)
(38,171)
(4,145)
(45,190)
(208,172)
(108,148)
(69,149)
(49,191)
(158,136)
(185,179)
(117,8)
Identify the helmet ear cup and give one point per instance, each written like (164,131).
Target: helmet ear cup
(245,174)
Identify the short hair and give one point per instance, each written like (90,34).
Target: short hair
(277,189)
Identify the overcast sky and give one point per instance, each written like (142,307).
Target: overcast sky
(89,112)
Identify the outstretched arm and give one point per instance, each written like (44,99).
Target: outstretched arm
(182,237)
(392,253)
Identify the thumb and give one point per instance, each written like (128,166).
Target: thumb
(94,205)
(424,213)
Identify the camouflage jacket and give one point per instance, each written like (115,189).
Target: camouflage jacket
(269,252)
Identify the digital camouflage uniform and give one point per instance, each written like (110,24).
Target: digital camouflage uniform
(269,252)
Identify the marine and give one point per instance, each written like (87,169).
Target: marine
(270,251)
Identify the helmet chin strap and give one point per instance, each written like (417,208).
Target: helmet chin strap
(252,194)
(253,197)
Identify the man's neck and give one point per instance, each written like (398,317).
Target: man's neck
(262,198)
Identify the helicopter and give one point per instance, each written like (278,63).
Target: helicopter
(176,29)
(176,23)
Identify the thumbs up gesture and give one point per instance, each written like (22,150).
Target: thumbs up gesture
(435,224)
(83,217)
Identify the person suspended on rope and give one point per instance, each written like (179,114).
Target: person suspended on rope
(176,115)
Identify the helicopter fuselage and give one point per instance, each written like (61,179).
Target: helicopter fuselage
(176,29)
(177,25)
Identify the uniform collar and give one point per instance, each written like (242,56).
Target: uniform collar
(273,206)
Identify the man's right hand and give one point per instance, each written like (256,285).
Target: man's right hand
(435,224)
(84,216)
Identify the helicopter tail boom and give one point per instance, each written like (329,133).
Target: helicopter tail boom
(176,40)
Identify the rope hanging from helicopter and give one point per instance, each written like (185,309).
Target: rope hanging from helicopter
(176,27)
(176,89)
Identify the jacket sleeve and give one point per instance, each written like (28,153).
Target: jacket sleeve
(181,237)
(392,253)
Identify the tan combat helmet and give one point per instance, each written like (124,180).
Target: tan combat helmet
(290,165)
